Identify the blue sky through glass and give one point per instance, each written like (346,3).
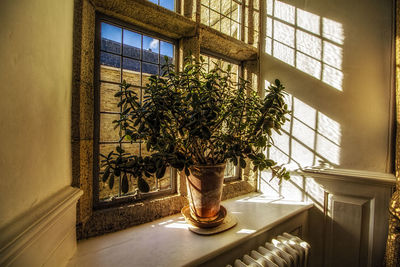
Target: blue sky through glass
(150,43)
(166,49)
(168,4)
(132,39)
(111,32)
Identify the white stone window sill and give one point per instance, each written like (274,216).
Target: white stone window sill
(168,242)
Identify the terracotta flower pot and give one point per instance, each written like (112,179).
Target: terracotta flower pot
(204,190)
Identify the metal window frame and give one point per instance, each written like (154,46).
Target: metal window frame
(127,199)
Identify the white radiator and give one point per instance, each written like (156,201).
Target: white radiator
(284,251)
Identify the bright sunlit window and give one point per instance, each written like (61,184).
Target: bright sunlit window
(222,15)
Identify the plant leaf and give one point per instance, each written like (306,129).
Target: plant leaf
(161,171)
(242,163)
(111,181)
(106,174)
(187,171)
(125,184)
(143,185)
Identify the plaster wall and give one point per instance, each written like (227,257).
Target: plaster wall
(361,110)
(35,103)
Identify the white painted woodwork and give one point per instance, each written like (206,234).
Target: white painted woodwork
(43,236)
(351,228)
(349,223)
(168,241)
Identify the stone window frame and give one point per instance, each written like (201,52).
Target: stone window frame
(192,36)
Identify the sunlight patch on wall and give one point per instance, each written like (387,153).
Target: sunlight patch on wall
(305,41)
(309,138)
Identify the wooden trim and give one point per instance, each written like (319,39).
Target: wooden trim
(351,175)
(31,230)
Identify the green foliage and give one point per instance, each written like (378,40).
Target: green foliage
(195,117)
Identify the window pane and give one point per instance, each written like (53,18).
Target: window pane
(216,5)
(230,169)
(166,49)
(149,69)
(205,15)
(225,25)
(132,181)
(150,49)
(215,20)
(235,11)
(133,149)
(110,67)
(131,71)
(223,16)
(168,4)
(235,30)
(138,59)
(107,131)
(165,182)
(107,100)
(226,7)
(132,44)
(105,149)
(104,190)
(110,38)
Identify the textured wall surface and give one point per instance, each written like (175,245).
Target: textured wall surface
(35,107)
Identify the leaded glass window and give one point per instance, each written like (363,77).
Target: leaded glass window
(125,54)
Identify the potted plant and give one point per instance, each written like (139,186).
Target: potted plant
(196,121)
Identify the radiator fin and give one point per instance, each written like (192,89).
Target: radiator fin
(284,251)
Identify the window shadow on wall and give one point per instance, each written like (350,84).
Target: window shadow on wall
(313,45)
(305,41)
(310,138)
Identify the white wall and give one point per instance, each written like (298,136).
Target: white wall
(345,120)
(356,125)
(35,102)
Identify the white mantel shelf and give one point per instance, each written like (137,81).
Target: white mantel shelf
(168,242)
(349,175)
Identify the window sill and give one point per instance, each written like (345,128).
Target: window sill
(168,242)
